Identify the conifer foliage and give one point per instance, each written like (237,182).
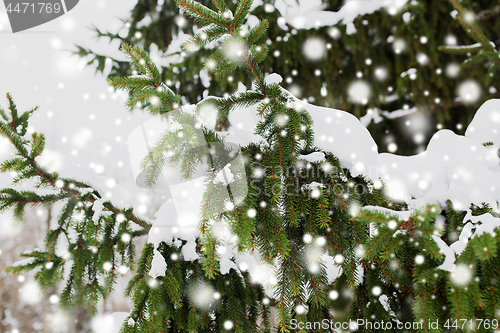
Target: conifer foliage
(420,26)
(276,213)
(279,206)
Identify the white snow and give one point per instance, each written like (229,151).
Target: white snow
(454,167)
(374,115)
(371,115)
(485,126)
(158,265)
(273,78)
(408,72)
(459,246)
(312,186)
(97,207)
(167,226)
(225,176)
(399,113)
(488,223)
(309,14)
(481,223)
(109,323)
(342,134)
(402,215)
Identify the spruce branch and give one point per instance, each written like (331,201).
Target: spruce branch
(485,49)
(375,249)
(93,230)
(202,14)
(241,12)
(279,223)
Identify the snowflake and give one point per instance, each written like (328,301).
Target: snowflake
(376,291)
(419,259)
(461,276)
(228,324)
(334,294)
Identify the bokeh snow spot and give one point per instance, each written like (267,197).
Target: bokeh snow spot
(314,48)
(359,91)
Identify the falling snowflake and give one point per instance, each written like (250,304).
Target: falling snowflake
(334,32)
(376,291)
(314,48)
(392,224)
(228,325)
(334,294)
(461,276)
(422,59)
(107,266)
(469,91)
(339,259)
(359,91)
(381,73)
(392,147)
(399,45)
(419,259)
(123,269)
(300,309)
(307,238)
(53,299)
(30,293)
(452,70)
(451,40)
(125,238)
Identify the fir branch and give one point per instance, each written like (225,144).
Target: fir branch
(204,37)
(220,4)
(143,63)
(461,49)
(473,60)
(201,13)
(484,47)
(241,12)
(131,83)
(83,286)
(259,53)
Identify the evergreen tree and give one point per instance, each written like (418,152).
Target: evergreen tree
(418,27)
(286,210)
